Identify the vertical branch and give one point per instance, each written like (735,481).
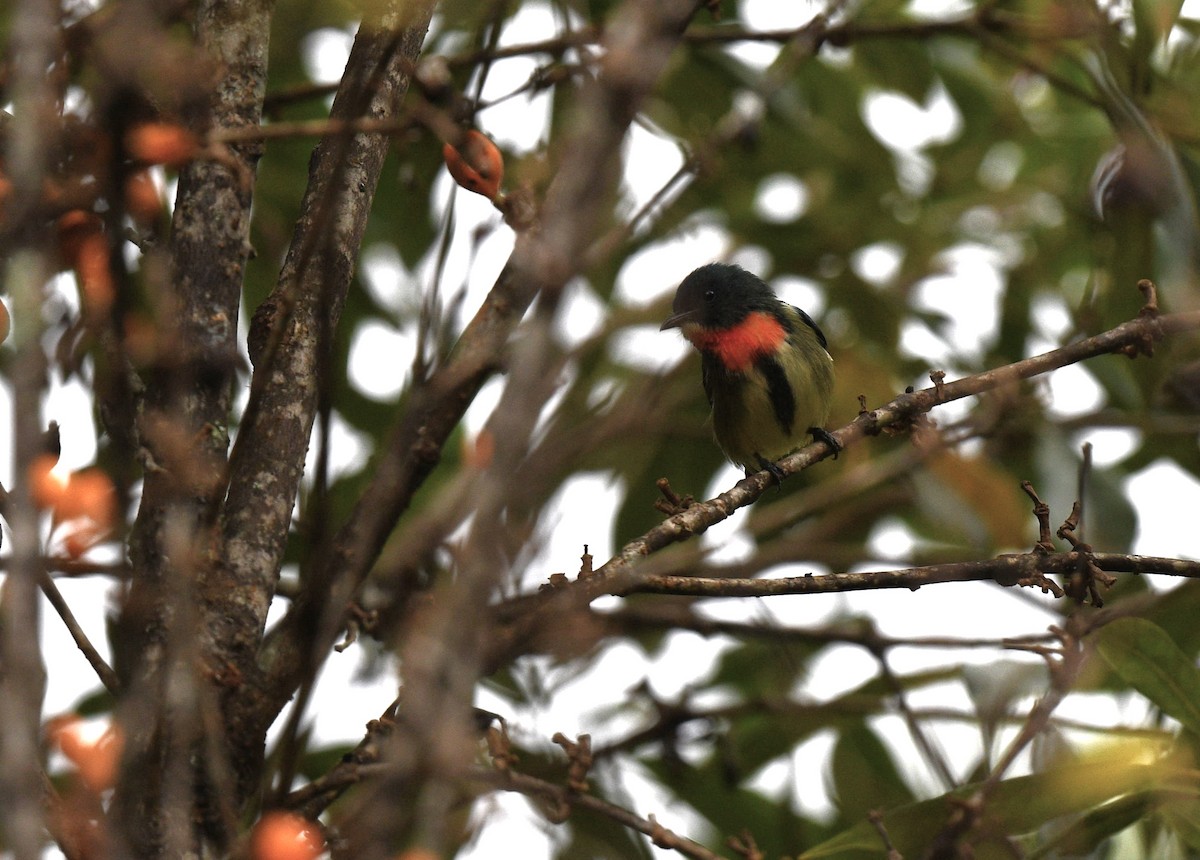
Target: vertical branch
(183,436)
(184,428)
(443,652)
(290,335)
(22,675)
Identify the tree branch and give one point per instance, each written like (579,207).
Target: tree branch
(103,671)
(441,655)
(543,260)
(563,799)
(622,574)
(26,268)
(1025,569)
(290,337)
(183,431)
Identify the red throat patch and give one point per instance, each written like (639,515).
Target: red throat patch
(737,347)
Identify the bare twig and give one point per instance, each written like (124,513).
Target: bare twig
(103,671)
(930,751)
(1064,664)
(559,796)
(876,819)
(1027,569)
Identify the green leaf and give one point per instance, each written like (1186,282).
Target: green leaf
(1181,812)
(1086,834)
(1143,654)
(865,776)
(1015,806)
(730,808)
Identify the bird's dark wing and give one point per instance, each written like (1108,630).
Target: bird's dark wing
(808,321)
(779,390)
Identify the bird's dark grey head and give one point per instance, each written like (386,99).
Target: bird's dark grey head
(718,296)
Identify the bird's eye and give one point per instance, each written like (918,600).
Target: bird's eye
(709,294)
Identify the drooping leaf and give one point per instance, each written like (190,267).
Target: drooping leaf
(1143,654)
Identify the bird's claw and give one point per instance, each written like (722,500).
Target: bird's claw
(777,474)
(820,434)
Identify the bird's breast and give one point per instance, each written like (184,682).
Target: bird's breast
(738,346)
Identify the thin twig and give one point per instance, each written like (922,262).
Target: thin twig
(560,796)
(932,754)
(1007,570)
(1064,664)
(103,671)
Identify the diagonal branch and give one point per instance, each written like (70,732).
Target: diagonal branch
(543,260)
(563,800)
(290,339)
(523,616)
(414,800)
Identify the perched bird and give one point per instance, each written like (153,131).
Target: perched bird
(767,372)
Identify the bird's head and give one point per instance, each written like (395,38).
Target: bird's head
(716,297)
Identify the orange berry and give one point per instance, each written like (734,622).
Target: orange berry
(142,200)
(5,193)
(161,143)
(478,166)
(46,487)
(96,760)
(90,494)
(54,727)
(99,761)
(75,227)
(95,279)
(286,836)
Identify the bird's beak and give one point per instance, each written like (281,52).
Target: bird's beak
(677,320)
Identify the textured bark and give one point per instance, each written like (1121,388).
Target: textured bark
(182,431)
(187,399)
(442,655)
(545,257)
(290,338)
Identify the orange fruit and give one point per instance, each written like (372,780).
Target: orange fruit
(5,193)
(89,493)
(99,761)
(95,760)
(95,279)
(82,536)
(75,227)
(46,488)
(161,143)
(479,452)
(286,836)
(478,166)
(141,198)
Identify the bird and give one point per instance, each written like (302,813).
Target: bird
(766,365)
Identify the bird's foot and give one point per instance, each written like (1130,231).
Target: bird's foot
(820,434)
(765,465)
